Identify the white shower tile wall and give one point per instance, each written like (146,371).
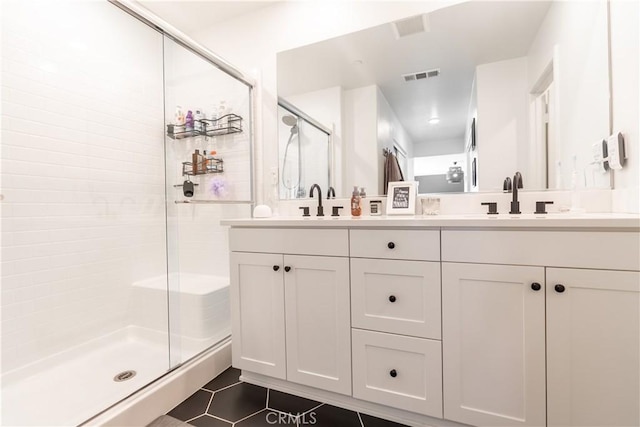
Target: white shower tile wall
(82,172)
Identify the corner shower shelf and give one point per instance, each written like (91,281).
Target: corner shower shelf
(225,125)
(206,166)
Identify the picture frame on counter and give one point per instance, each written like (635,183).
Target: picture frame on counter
(401,197)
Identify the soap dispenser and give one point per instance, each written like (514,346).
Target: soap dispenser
(356,209)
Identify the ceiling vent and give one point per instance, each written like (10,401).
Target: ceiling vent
(420,75)
(414,25)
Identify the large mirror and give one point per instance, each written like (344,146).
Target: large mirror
(462,97)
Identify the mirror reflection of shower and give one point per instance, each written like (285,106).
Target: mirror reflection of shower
(291,172)
(303,152)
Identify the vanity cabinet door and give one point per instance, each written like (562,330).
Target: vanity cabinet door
(593,347)
(493,340)
(318,322)
(257,312)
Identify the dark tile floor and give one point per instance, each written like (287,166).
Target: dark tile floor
(227,402)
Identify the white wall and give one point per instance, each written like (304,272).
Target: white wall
(438,148)
(252,41)
(437,165)
(360,138)
(82,172)
(502,128)
(574,37)
(625,45)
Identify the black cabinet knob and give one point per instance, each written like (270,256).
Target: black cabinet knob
(393,373)
(391,245)
(287,268)
(276,267)
(559,288)
(536,286)
(392,298)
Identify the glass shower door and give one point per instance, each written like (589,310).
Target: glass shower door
(208,172)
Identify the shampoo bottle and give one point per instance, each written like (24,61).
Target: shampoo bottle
(356,209)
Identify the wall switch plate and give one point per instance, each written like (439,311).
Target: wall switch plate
(616,150)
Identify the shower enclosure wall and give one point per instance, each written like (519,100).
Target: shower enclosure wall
(109,280)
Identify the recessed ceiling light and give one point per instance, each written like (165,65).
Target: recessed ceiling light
(434,120)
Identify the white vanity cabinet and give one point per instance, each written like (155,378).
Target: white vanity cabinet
(305,295)
(493,344)
(257,313)
(482,325)
(503,289)
(395,310)
(593,347)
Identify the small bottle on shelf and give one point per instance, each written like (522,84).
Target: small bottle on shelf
(222,112)
(188,121)
(195,158)
(197,117)
(179,116)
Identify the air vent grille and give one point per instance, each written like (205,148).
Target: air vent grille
(414,25)
(420,75)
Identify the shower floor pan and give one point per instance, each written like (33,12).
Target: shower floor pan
(70,387)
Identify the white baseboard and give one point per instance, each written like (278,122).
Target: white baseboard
(164,394)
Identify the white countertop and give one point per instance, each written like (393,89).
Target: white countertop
(553,220)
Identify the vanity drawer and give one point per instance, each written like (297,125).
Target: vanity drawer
(402,297)
(420,245)
(402,372)
(331,242)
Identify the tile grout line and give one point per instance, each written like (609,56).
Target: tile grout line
(206,411)
(220,389)
(249,416)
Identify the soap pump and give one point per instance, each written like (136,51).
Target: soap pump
(356,209)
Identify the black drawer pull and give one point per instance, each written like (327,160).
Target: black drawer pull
(392,298)
(391,245)
(393,373)
(287,268)
(536,286)
(559,288)
(276,267)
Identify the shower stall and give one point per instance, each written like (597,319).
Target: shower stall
(112,274)
(304,149)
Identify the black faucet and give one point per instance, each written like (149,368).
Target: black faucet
(517,183)
(320,208)
(331,192)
